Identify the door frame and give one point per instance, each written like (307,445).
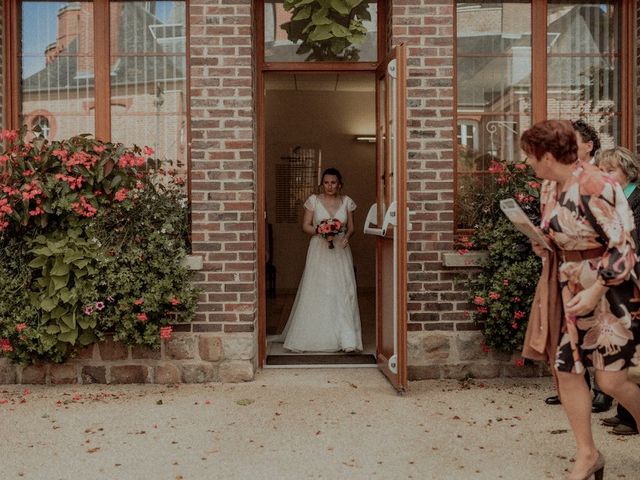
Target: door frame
(261,69)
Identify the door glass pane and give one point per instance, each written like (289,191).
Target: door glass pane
(148,88)
(583,79)
(312,32)
(57,68)
(493,95)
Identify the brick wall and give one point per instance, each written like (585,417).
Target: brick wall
(443,342)
(223,165)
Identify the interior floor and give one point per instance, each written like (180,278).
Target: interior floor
(279,308)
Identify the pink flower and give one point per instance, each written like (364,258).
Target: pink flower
(519,362)
(5,345)
(494,295)
(521,166)
(88,310)
(121,195)
(516,299)
(174,301)
(99,148)
(482,310)
(99,305)
(165,332)
(138,301)
(463,251)
(148,151)
(519,314)
(28,173)
(142,317)
(514,325)
(9,135)
(534,185)
(20,327)
(478,300)
(505,282)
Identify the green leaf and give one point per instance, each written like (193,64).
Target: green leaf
(81,263)
(340,7)
(60,268)
(41,251)
(58,312)
(69,320)
(48,303)
(38,262)
(322,32)
(303,13)
(339,31)
(320,17)
(59,281)
(52,329)
(117,180)
(65,295)
(69,337)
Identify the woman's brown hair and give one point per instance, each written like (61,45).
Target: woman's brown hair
(556,137)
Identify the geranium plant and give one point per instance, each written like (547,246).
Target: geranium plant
(91,242)
(502,291)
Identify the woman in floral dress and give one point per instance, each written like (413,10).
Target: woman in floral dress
(586,215)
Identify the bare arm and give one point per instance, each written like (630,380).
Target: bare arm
(307,223)
(350,230)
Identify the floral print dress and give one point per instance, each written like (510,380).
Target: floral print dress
(589,212)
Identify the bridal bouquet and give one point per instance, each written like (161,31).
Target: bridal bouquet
(329,228)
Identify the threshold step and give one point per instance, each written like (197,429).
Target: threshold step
(324,359)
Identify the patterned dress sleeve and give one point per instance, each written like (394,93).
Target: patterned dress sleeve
(310,204)
(611,217)
(351,205)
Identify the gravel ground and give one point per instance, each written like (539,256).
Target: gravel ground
(295,424)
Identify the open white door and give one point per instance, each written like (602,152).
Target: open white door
(387,219)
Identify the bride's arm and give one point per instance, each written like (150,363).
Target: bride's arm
(307,223)
(350,229)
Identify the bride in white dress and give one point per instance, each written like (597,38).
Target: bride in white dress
(325,315)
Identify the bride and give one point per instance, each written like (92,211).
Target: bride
(325,315)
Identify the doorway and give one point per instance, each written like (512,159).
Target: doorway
(313,121)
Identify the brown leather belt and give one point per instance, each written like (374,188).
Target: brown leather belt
(579,255)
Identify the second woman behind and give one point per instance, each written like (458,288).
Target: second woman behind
(325,315)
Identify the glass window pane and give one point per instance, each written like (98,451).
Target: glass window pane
(148,88)
(493,95)
(312,32)
(583,66)
(57,68)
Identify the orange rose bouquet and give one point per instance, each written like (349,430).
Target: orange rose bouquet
(329,228)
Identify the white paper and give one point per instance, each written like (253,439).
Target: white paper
(520,220)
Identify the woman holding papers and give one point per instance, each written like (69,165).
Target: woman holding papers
(586,215)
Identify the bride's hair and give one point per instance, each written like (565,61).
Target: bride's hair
(331,171)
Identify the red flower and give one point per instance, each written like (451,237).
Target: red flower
(20,327)
(174,301)
(148,151)
(485,348)
(521,166)
(519,362)
(121,195)
(505,282)
(494,295)
(142,317)
(165,332)
(519,314)
(138,301)
(478,300)
(482,310)
(5,345)
(514,325)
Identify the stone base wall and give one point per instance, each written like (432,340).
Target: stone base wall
(185,358)
(435,355)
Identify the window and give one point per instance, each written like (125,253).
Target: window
(114,69)
(41,124)
(517,65)
(318,31)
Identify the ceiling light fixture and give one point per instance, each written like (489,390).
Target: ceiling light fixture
(366,138)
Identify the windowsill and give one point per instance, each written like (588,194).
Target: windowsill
(470,259)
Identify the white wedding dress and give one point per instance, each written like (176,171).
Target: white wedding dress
(325,315)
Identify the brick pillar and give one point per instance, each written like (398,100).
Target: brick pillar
(223,164)
(1,69)
(637,110)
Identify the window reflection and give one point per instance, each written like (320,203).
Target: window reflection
(58,65)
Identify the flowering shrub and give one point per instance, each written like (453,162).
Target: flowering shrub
(91,242)
(501,293)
